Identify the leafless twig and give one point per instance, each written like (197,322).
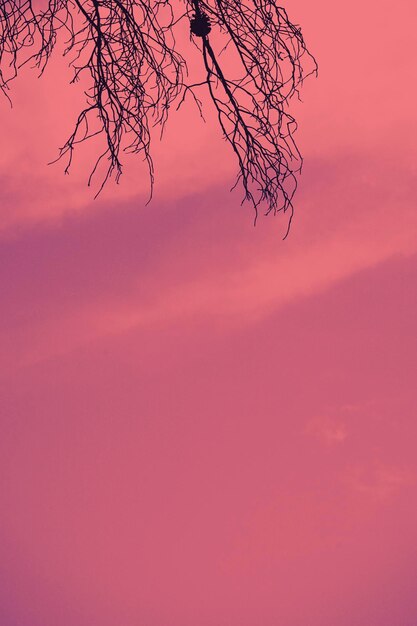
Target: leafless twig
(127,51)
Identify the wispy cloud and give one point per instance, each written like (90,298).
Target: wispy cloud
(112,269)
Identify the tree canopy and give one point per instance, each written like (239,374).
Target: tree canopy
(253,60)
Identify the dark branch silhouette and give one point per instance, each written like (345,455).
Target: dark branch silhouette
(127,51)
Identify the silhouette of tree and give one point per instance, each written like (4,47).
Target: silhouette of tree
(128,51)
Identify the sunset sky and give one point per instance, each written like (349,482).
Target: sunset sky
(202,424)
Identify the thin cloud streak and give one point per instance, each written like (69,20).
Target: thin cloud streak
(198,257)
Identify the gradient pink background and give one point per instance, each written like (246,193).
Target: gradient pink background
(202,424)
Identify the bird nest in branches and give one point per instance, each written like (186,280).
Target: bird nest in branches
(200,25)
(126,50)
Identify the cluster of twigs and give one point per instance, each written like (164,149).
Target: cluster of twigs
(252,108)
(127,51)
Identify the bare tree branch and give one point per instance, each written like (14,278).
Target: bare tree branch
(127,51)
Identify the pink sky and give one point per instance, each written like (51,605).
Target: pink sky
(202,424)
